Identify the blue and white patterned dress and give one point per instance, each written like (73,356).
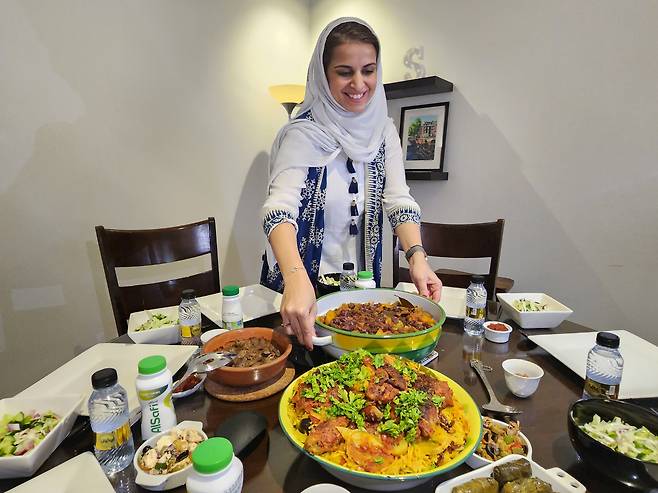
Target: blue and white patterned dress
(385,191)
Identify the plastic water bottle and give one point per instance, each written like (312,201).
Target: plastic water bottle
(476,307)
(110,421)
(347,277)
(215,468)
(604,368)
(189,316)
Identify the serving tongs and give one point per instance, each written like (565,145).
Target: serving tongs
(494,404)
(200,363)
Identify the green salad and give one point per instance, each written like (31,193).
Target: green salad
(524,305)
(21,432)
(155,321)
(638,443)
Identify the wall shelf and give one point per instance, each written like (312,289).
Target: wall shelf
(417,87)
(430,174)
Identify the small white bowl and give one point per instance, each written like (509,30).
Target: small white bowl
(522,377)
(497,336)
(554,315)
(64,405)
(185,393)
(476,460)
(209,334)
(161,482)
(167,334)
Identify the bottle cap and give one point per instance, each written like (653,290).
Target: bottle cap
(151,365)
(477,278)
(212,456)
(348,266)
(230,290)
(364,274)
(188,294)
(104,378)
(607,339)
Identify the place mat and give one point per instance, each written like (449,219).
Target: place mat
(254,392)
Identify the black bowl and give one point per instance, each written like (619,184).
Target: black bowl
(631,472)
(324,289)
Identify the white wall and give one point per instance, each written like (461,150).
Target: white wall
(553,127)
(131,115)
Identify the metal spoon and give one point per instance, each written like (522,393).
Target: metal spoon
(405,302)
(494,404)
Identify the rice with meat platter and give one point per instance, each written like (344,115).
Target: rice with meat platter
(378,413)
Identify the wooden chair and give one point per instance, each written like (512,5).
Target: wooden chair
(132,248)
(478,240)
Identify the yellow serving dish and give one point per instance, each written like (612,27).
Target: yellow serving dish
(382,482)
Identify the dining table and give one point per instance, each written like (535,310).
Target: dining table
(275,465)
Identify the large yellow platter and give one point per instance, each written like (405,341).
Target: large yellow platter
(384,482)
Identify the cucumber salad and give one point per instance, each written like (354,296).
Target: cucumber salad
(21,432)
(638,443)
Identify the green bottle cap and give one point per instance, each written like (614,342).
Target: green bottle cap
(212,456)
(230,290)
(151,365)
(364,274)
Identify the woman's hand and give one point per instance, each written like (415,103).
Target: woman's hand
(423,277)
(298,307)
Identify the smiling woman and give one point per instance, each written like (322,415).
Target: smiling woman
(334,171)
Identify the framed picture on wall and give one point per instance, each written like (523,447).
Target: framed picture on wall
(423,134)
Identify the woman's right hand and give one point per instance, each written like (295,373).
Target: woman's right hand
(298,307)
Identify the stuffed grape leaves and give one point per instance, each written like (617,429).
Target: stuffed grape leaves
(511,471)
(527,485)
(477,485)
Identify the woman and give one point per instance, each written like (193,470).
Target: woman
(334,171)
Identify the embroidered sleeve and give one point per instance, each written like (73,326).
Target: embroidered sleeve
(399,205)
(275,217)
(404,214)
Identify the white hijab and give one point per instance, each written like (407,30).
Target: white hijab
(311,144)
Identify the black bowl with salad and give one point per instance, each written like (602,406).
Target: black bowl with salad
(328,283)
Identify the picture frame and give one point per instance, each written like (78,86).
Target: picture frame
(423,130)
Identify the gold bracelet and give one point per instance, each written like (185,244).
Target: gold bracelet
(295,269)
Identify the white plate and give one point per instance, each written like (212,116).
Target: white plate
(167,334)
(256,300)
(640,359)
(453,300)
(75,376)
(64,405)
(559,480)
(81,474)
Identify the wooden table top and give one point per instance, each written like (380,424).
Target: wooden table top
(276,466)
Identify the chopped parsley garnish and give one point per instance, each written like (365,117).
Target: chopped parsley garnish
(407,407)
(350,406)
(437,400)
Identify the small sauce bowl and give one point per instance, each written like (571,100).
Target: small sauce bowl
(497,336)
(522,377)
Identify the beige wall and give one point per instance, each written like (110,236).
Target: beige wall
(131,115)
(553,127)
(153,113)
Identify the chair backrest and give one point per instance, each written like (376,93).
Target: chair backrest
(479,240)
(134,248)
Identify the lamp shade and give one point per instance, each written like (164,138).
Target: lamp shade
(288,93)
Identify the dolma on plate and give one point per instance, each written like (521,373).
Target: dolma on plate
(511,471)
(477,485)
(527,485)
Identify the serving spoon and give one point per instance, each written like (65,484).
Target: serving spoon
(494,404)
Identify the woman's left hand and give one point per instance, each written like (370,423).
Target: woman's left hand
(424,278)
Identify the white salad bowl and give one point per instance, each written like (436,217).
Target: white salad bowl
(166,334)
(475,460)
(162,482)
(64,405)
(554,315)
